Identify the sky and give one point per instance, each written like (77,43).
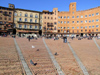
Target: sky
(40,5)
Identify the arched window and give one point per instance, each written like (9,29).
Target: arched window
(31,15)
(55,28)
(36,16)
(20,14)
(26,15)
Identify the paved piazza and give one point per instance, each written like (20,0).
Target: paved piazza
(35,50)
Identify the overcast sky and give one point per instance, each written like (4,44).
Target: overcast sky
(40,5)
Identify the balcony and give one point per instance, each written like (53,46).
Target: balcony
(50,25)
(5,13)
(27,22)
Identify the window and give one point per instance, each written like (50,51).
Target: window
(64,27)
(73,5)
(67,27)
(92,14)
(65,17)
(25,19)
(85,26)
(55,12)
(15,14)
(40,21)
(61,27)
(73,12)
(68,17)
(61,17)
(5,12)
(25,26)
(5,18)
(4,22)
(77,16)
(9,19)
(10,13)
(40,27)
(55,18)
(58,27)
(81,27)
(77,27)
(0,22)
(30,26)
(35,21)
(58,16)
(72,16)
(85,21)
(72,8)
(36,16)
(58,21)
(72,21)
(89,21)
(64,21)
(81,21)
(31,15)
(20,14)
(55,23)
(85,15)
(92,20)
(14,25)
(81,30)
(81,16)
(64,31)
(45,17)
(77,21)
(30,20)
(92,26)
(20,19)
(67,21)
(61,21)
(40,17)
(35,27)
(89,15)
(96,29)
(97,20)
(97,13)
(72,27)
(26,15)
(97,25)
(89,26)
(85,30)
(48,17)
(51,17)
(20,26)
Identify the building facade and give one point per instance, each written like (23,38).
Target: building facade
(72,22)
(26,22)
(6,19)
(77,23)
(50,21)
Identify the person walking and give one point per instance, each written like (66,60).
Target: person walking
(29,38)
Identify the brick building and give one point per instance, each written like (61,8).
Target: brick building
(77,23)
(6,19)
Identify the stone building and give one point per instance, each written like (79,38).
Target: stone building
(26,22)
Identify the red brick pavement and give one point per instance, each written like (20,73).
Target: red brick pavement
(65,57)
(88,53)
(10,63)
(44,64)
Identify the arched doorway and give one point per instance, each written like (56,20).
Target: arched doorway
(40,32)
(14,31)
